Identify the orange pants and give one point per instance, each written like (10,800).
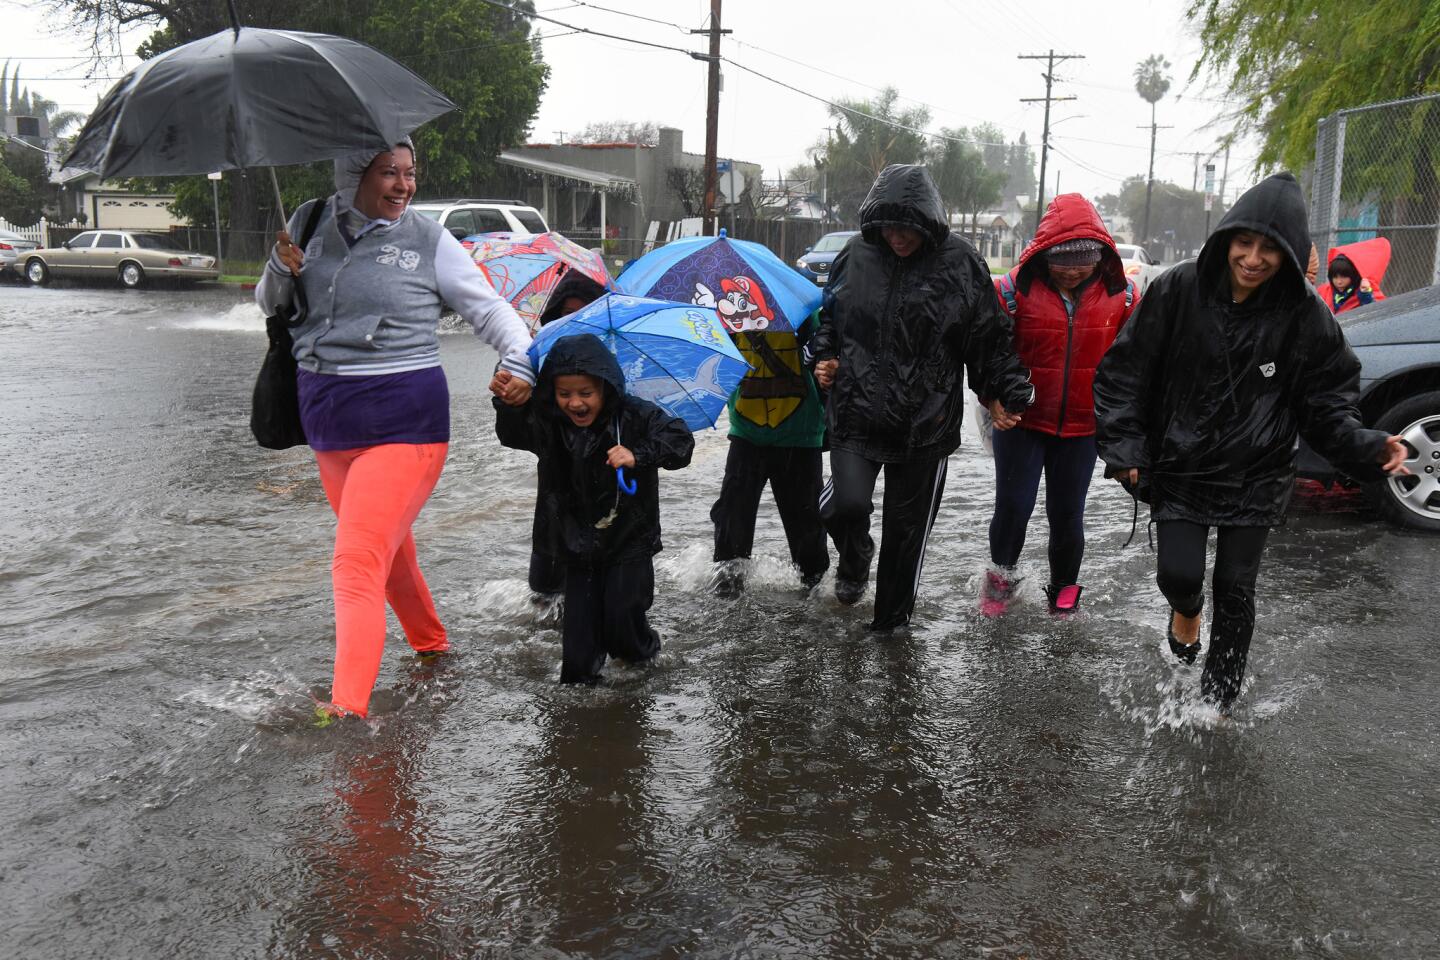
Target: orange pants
(376,493)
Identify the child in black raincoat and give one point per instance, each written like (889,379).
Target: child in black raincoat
(582,426)
(1198,405)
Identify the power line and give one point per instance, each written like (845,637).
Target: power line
(1049,98)
(594,33)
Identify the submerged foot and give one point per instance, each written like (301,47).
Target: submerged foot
(849,592)
(1183,635)
(996,593)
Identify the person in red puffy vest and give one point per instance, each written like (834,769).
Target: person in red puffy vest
(1354,274)
(1068,296)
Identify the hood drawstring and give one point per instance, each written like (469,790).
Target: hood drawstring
(622,484)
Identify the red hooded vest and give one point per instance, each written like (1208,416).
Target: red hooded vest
(1062,351)
(1371,258)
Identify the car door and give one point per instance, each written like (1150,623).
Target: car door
(69,259)
(105,256)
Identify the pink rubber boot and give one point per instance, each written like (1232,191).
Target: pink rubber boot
(995,594)
(1064,600)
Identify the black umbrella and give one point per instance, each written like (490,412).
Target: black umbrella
(249,97)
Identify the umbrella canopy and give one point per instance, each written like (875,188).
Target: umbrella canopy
(672,354)
(752,289)
(524,269)
(253,98)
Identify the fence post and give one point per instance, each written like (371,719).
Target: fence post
(44,232)
(1337,175)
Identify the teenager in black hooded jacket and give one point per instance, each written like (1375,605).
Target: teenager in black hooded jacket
(1198,405)
(582,426)
(909,308)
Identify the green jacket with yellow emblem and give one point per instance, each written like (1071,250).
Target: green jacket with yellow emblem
(777,407)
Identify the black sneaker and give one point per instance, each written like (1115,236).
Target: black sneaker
(729,583)
(811,580)
(849,592)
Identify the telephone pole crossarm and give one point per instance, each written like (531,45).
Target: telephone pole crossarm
(1050,58)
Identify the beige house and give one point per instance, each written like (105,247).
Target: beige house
(109,206)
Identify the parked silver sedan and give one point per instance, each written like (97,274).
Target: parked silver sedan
(13,249)
(127,255)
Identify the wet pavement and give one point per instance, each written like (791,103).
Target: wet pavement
(781,784)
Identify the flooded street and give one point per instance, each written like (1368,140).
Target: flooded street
(781,784)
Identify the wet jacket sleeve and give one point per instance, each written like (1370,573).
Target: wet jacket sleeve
(1329,419)
(495,321)
(1123,385)
(665,441)
(517,427)
(277,284)
(824,345)
(991,362)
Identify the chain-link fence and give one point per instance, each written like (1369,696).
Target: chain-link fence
(1377,174)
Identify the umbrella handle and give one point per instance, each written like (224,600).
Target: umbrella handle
(629,486)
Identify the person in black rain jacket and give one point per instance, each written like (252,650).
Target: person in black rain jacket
(910,307)
(582,426)
(1199,402)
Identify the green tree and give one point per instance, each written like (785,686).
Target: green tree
(869,136)
(966,182)
(24,183)
(1178,215)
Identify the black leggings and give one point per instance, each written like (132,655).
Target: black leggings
(1180,572)
(794,477)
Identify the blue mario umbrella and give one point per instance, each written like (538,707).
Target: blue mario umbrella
(673,354)
(752,289)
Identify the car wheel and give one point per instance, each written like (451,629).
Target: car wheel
(1413,501)
(131,274)
(36,271)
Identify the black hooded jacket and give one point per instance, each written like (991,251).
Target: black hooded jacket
(1206,396)
(904,330)
(577,487)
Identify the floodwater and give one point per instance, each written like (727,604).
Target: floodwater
(780,784)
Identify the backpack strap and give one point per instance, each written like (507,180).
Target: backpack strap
(1007,293)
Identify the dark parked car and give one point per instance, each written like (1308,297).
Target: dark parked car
(1398,343)
(815,262)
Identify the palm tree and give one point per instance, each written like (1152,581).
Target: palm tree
(1151,83)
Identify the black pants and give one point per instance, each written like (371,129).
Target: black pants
(1180,572)
(605,616)
(794,477)
(912,498)
(1068,464)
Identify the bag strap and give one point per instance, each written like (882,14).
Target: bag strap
(760,345)
(1007,293)
(301,306)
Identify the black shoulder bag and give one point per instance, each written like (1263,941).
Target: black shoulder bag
(275,405)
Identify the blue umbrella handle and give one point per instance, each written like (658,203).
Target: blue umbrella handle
(626,485)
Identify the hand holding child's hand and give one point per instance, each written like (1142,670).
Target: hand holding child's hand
(620,457)
(511,390)
(825,372)
(1002,418)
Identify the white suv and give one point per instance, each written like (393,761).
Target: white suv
(465,218)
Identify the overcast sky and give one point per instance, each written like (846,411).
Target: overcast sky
(957,57)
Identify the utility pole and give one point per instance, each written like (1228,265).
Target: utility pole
(712,114)
(1150,177)
(1049,75)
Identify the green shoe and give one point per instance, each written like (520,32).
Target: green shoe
(324,716)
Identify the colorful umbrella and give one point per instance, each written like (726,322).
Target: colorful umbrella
(752,289)
(672,354)
(525,268)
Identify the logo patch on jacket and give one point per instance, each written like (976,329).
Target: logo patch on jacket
(1268,369)
(391,255)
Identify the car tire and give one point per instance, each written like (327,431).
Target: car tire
(1413,501)
(131,274)
(36,271)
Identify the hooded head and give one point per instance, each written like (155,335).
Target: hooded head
(350,170)
(1368,259)
(1275,209)
(582,355)
(1071,232)
(904,196)
(571,287)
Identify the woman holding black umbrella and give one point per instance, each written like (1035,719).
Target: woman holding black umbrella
(373,398)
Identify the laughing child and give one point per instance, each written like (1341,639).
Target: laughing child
(583,428)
